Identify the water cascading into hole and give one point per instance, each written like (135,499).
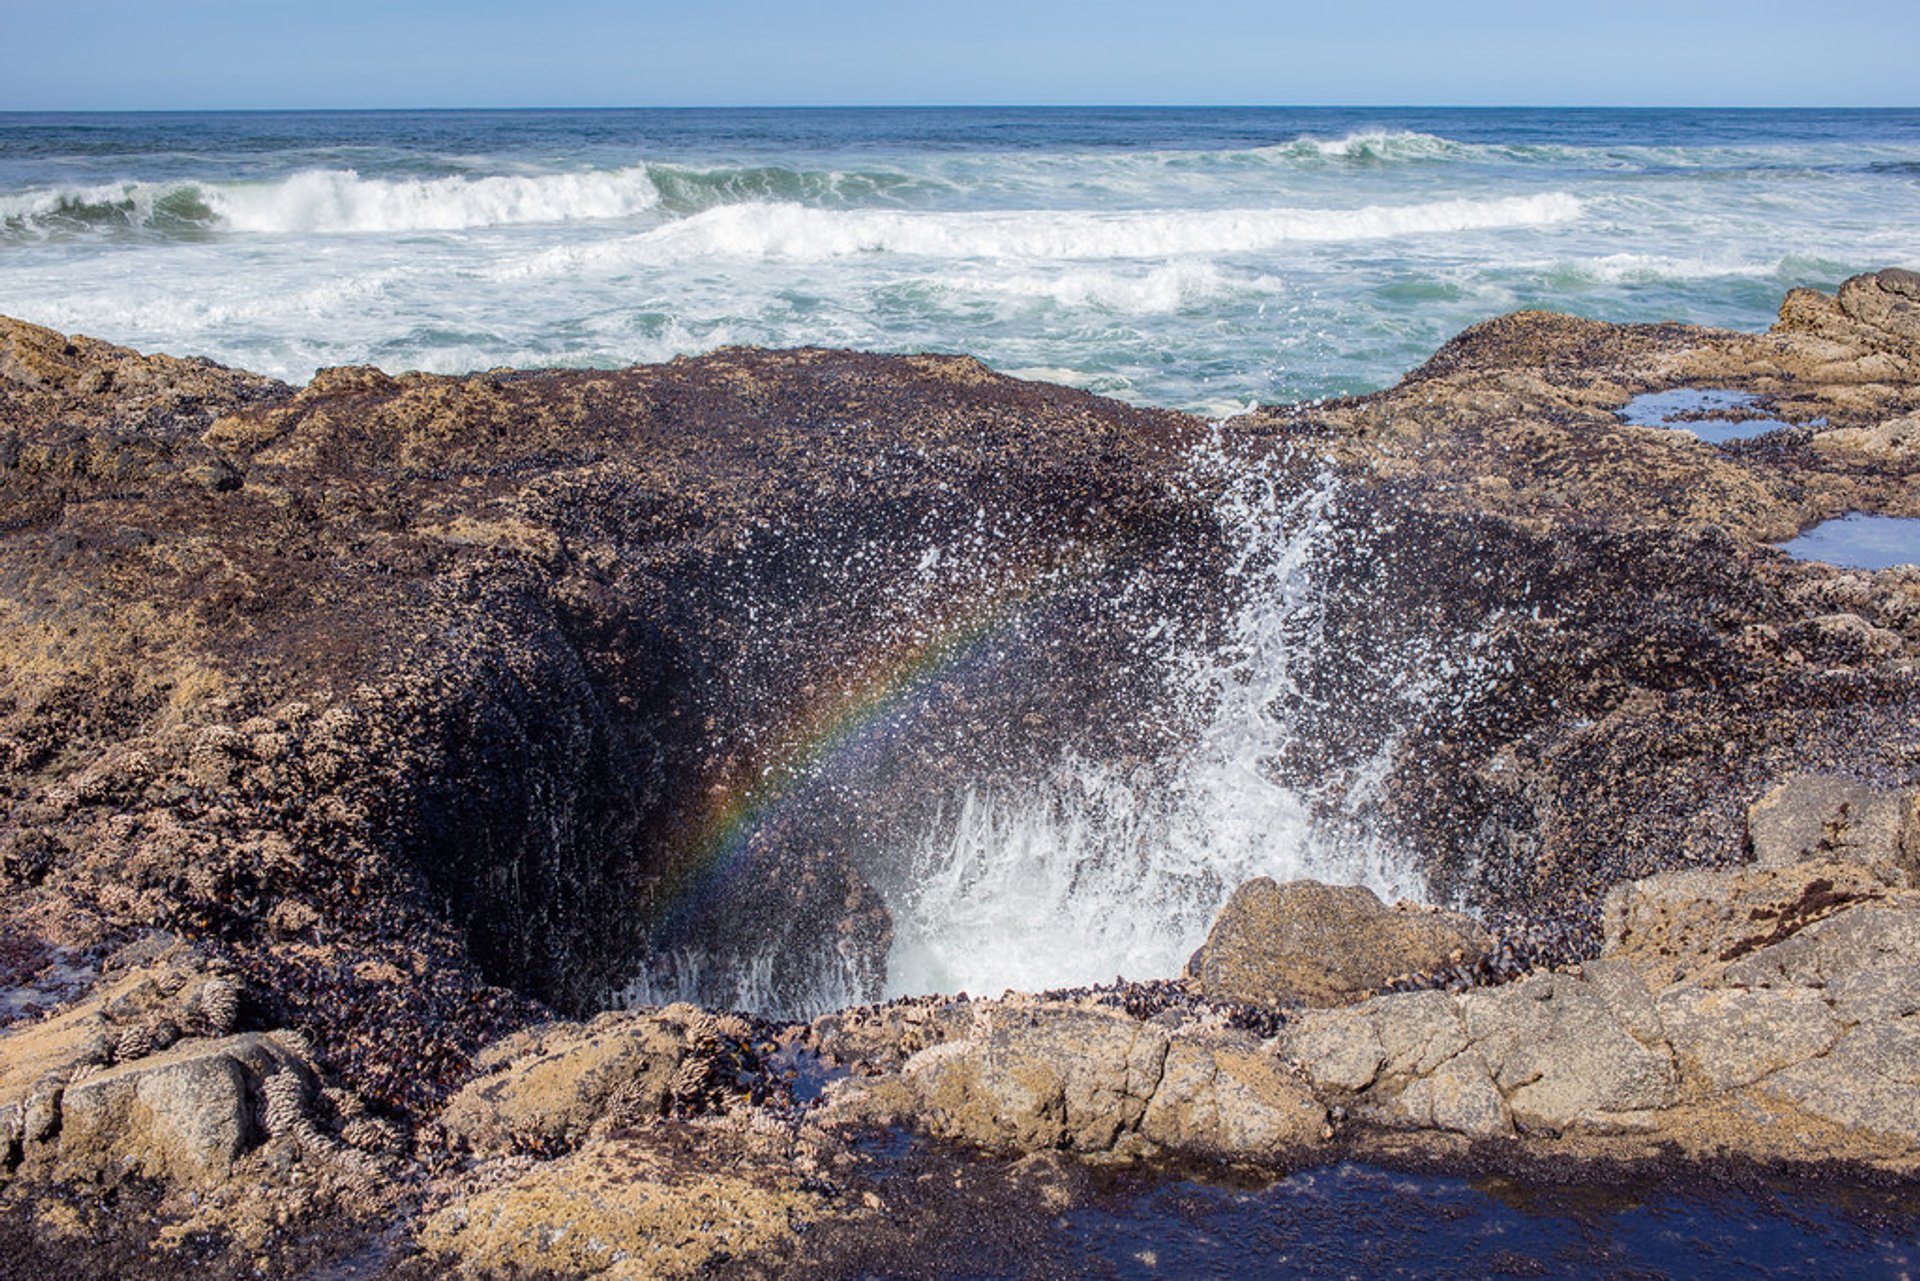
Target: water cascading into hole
(1088,865)
(1104,870)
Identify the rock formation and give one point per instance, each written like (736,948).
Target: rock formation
(359,741)
(1304,942)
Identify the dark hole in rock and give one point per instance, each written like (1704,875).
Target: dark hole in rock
(879,755)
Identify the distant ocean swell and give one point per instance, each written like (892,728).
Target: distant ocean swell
(343,202)
(1194,258)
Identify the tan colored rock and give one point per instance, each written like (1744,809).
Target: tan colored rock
(1673,924)
(1836,951)
(1459,1096)
(1727,1038)
(1881,993)
(1828,816)
(1225,1100)
(1340,1050)
(184,1114)
(550,1087)
(1420,1030)
(1869,1081)
(1561,1056)
(1058,1078)
(1896,441)
(1305,942)
(620,1209)
(151,993)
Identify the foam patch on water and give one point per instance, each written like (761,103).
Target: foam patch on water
(796,233)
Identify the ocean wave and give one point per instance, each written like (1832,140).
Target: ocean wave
(1638,269)
(1385,147)
(160,208)
(686,190)
(1374,146)
(340,200)
(794,233)
(321,201)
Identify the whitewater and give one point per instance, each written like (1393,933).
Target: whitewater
(1201,259)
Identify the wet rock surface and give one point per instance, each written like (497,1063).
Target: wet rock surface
(356,740)
(1791,1042)
(1313,944)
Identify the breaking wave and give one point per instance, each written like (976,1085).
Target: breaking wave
(330,201)
(794,233)
(685,190)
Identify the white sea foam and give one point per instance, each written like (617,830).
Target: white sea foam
(795,233)
(1163,288)
(1107,869)
(340,200)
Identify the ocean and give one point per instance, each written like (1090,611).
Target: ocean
(1200,259)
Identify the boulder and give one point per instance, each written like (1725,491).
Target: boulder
(184,1114)
(1829,816)
(1308,943)
(550,1086)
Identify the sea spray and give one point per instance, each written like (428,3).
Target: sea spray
(1107,869)
(1092,865)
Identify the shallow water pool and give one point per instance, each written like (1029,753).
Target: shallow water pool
(1860,541)
(1355,1220)
(1721,422)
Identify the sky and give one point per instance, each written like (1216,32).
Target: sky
(221,54)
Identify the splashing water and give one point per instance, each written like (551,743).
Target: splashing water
(1110,869)
(1102,867)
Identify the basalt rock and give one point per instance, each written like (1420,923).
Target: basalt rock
(1796,1044)
(1308,943)
(447,697)
(423,710)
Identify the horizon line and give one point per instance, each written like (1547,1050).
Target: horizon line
(962,106)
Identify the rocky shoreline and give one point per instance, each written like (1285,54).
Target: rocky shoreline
(352,738)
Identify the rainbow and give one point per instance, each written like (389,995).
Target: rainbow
(830,727)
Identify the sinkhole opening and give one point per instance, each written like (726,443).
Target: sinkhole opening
(1063,786)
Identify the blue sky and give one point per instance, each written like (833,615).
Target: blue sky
(139,54)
